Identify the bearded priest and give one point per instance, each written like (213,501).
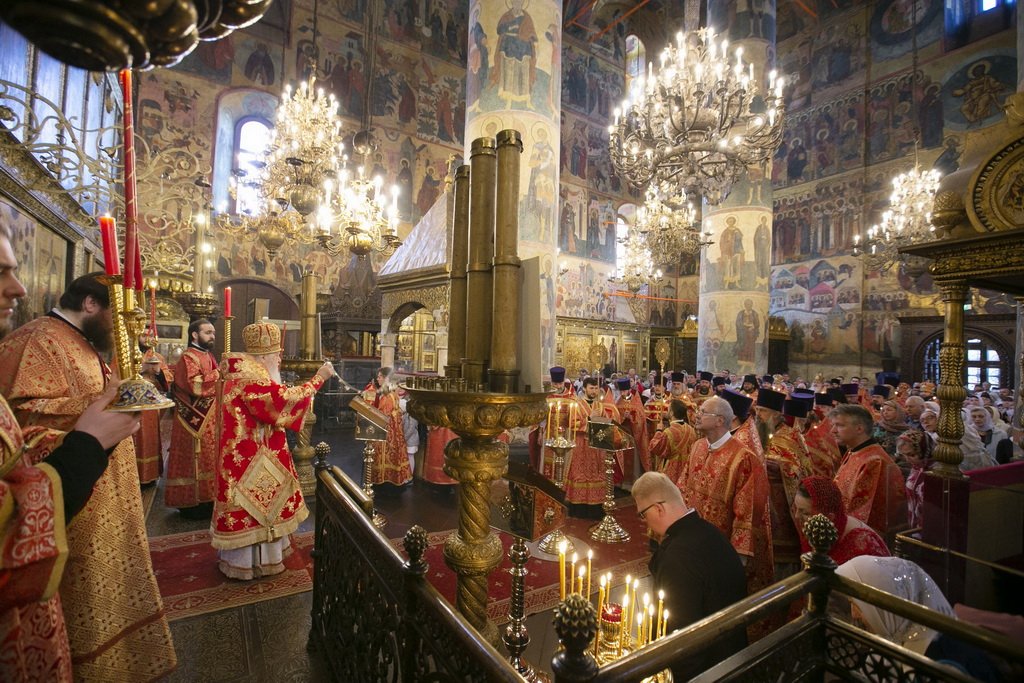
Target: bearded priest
(258,501)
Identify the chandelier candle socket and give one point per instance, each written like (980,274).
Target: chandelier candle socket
(698,121)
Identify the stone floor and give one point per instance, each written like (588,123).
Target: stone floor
(266,641)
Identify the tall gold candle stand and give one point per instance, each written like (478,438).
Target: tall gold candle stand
(549,544)
(516,637)
(305,366)
(379,520)
(134,391)
(227,333)
(608,530)
(476,459)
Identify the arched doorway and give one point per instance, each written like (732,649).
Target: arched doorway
(415,333)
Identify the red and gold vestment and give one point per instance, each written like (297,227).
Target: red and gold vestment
(748,436)
(258,496)
(33,551)
(873,489)
(729,488)
(787,464)
(148,445)
(115,619)
(670,448)
(655,411)
(391,457)
(634,421)
(191,476)
(822,449)
(584,472)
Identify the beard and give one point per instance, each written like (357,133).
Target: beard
(207,345)
(99,331)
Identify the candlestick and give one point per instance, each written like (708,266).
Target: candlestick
(227,302)
(111,257)
(661,606)
(572,573)
(649,628)
(131,235)
(561,571)
(590,557)
(639,630)
(583,570)
(664,624)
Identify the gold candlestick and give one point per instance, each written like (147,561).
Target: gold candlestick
(227,333)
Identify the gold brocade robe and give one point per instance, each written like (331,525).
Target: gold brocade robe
(258,494)
(191,476)
(115,618)
(148,444)
(33,552)
(787,465)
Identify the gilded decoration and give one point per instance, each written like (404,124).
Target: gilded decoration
(433,298)
(777,328)
(997,190)
(964,260)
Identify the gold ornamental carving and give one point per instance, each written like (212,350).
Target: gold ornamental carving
(662,352)
(997,190)
(965,261)
(597,356)
(778,329)
(433,298)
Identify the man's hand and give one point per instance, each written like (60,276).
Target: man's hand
(108,427)
(326,371)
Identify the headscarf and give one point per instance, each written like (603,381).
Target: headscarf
(919,440)
(987,427)
(975,455)
(899,423)
(906,580)
(997,419)
(827,500)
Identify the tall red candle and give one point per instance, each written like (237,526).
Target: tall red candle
(111,258)
(227,302)
(132,276)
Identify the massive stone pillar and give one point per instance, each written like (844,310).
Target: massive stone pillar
(514,81)
(735,271)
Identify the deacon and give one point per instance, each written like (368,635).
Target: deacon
(259,502)
(584,476)
(727,485)
(670,447)
(50,371)
(656,407)
(634,421)
(191,475)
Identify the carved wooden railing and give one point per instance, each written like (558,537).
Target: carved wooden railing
(375,617)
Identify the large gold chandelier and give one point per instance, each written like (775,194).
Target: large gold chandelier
(637,267)
(358,216)
(668,232)
(698,122)
(907,221)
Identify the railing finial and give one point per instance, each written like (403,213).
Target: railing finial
(576,624)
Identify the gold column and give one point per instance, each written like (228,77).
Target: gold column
(1018,409)
(951,390)
(457,290)
(479,293)
(504,366)
(305,366)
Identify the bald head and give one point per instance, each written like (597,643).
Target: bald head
(914,407)
(658,502)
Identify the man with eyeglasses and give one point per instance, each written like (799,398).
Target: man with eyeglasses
(727,484)
(693,563)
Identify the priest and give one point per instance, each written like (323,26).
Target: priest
(259,502)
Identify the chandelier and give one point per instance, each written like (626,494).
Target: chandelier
(669,232)
(699,121)
(358,216)
(907,221)
(637,268)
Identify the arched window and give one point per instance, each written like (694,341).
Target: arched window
(251,137)
(983,362)
(624,221)
(244,118)
(636,56)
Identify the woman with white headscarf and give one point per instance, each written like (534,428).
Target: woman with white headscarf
(904,579)
(990,435)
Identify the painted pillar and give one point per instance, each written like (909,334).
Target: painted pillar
(735,271)
(514,81)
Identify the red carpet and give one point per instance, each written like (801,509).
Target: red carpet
(190,583)
(542,579)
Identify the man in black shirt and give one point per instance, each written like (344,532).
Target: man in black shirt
(694,563)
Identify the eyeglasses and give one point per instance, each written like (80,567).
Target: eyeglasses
(701,413)
(643,513)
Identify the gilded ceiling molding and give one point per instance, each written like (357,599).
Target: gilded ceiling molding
(432,298)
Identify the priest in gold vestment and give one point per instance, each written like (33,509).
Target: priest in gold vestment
(50,370)
(259,502)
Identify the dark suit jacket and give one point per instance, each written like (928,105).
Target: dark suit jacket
(700,573)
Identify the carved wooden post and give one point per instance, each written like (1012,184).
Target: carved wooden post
(576,625)
(821,533)
(951,391)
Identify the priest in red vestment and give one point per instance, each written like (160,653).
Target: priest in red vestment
(259,502)
(656,408)
(727,485)
(679,392)
(191,477)
(562,406)
(822,447)
(869,480)
(744,426)
(392,461)
(584,475)
(634,421)
(148,444)
(50,371)
(787,464)
(671,445)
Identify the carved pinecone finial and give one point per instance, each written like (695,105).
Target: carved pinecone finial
(321,451)
(821,534)
(575,623)
(415,543)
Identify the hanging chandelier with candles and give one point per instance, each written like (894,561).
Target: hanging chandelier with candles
(907,221)
(357,215)
(698,121)
(669,232)
(637,267)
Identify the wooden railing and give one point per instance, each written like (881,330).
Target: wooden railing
(376,618)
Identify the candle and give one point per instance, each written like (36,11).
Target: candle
(590,557)
(623,620)
(600,614)
(661,606)
(639,630)
(651,624)
(111,258)
(572,573)
(132,276)
(140,282)
(152,306)
(664,624)
(227,302)
(583,570)
(561,570)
